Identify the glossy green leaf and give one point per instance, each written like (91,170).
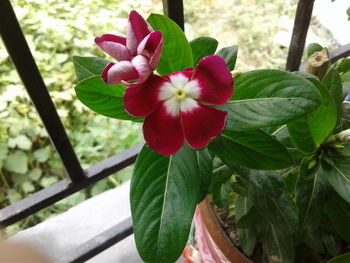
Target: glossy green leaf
(344,258)
(264,98)
(177,53)
(343,65)
(103,99)
(220,194)
(333,84)
(202,47)
(229,54)
(252,149)
(300,135)
(337,169)
(219,176)
(86,67)
(316,127)
(268,182)
(338,212)
(205,164)
(164,194)
(247,235)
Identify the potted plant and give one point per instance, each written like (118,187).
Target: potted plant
(270,146)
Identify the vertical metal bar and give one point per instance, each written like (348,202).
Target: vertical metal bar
(174,9)
(301,26)
(27,69)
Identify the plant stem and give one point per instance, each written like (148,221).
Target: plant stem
(4,180)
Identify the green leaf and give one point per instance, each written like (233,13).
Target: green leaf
(47,181)
(42,155)
(28,187)
(21,142)
(264,98)
(337,169)
(86,67)
(252,149)
(318,126)
(267,182)
(16,162)
(220,194)
(247,235)
(277,246)
(104,99)
(313,239)
(177,53)
(310,197)
(338,212)
(229,54)
(333,84)
(3,151)
(35,174)
(332,242)
(13,196)
(220,175)
(205,164)
(345,77)
(344,258)
(280,212)
(164,194)
(343,65)
(202,47)
(301,136)
(312,48)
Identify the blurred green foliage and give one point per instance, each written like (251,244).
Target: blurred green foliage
(58,29)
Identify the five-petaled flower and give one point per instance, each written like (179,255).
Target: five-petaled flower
(172,105)
(138,54)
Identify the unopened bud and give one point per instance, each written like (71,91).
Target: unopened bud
(236,74)
(344,136)
(311,164)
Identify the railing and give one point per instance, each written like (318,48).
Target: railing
(79,179)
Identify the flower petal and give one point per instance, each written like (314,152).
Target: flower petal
(152,46)
(113,45)
(214,80)
(143,69)
(163,132)
(137,30)
(201,124)
(121,71)
(142,100)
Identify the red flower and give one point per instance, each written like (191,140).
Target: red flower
(172,107)
(138,54)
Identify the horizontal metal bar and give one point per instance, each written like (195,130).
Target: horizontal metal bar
(99,243)
(28,71)
(64,188)
(342,52)
(175,11)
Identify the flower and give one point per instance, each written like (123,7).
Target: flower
(172,107)
(138,54)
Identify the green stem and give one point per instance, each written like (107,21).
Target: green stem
(4,180)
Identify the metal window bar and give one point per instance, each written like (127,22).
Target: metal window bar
(28,71)
(19,52)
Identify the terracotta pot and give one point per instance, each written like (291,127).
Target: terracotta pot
(218,235)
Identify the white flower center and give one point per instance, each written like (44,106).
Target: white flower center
(179,94)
